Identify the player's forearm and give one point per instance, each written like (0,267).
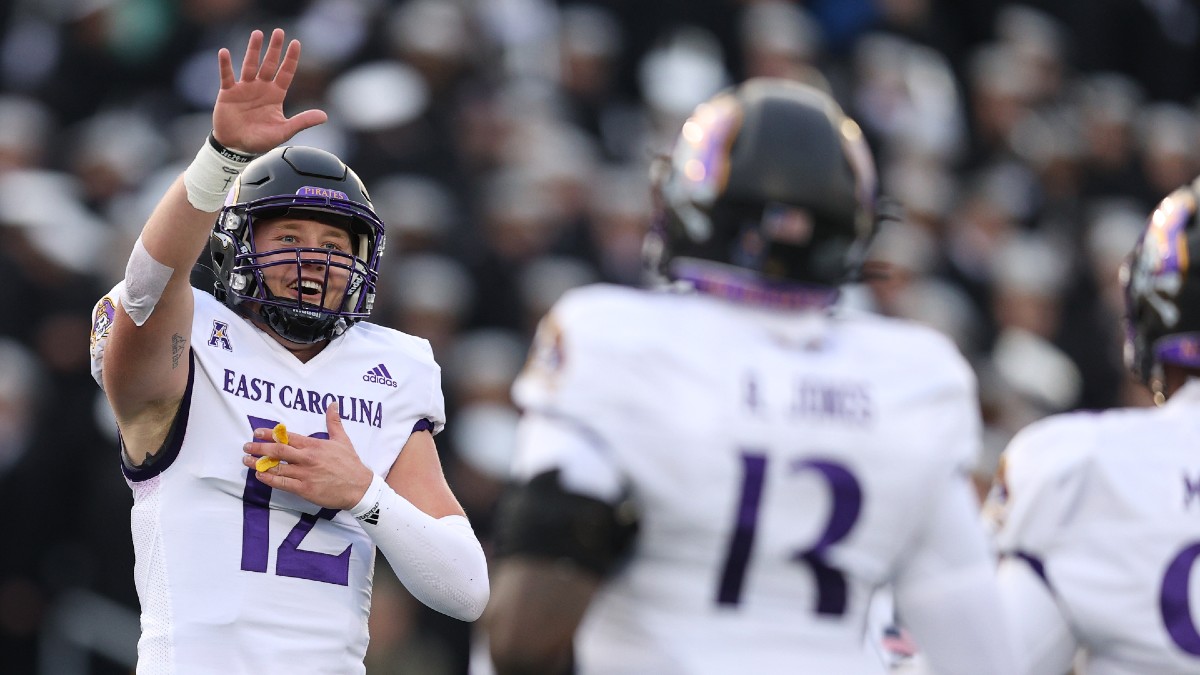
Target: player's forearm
(956,620)
(1044,639)
(506,664)
(439,560)
(177,232)
(537,605)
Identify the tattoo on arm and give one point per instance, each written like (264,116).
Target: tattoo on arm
(178,343)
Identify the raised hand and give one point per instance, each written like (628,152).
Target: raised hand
(326,472)
(248,114)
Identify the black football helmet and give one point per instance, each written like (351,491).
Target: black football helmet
(302,182)
(1162,289)
(768,182)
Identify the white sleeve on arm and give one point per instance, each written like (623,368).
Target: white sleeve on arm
(1044,638)
(946,591)
(439,560)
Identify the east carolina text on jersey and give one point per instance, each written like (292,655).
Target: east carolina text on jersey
(351,408)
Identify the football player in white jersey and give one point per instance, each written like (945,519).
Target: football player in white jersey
(246,564)
(1100,512)
(715,477)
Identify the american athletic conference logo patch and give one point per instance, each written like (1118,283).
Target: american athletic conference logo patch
(220,336)
(380,375)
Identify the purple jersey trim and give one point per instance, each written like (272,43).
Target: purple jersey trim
(423,425)
(1035,563)
(741,286)
(166,454)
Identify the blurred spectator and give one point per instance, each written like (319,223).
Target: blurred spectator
(686,67)
(901,273)
(780,39)
(437,38)
(383,104)
(431,296)
(1109,104)
(1038,43)
(420,214)
(1167,134)
(21,389)
(544,281)
(520,223)
(907,94)
(25,127)
(1029,276)
(113,152)
(591,52)
(1155,43)
(1001,90)
(619,213)
(1114,226)
(481,366)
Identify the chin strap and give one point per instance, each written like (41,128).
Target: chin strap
(301,330)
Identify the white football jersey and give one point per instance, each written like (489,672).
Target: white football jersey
(234,577)
(1105,507)
(784,466)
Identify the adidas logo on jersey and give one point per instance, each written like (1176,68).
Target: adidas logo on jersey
(380,375)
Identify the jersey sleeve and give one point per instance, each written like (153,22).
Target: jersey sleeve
(564,395)
(432,411)
(953,425)
(1033,503)
(567,477)
(103,314)
(1038,485)
(1043,634)
(436,406)
(567,373)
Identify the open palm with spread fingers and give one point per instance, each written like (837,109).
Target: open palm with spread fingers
(248,114)
(326,472)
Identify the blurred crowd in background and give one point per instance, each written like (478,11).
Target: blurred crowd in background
(506,144)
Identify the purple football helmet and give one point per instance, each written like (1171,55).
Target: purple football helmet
(769,182)
(308,183)
(1162,289)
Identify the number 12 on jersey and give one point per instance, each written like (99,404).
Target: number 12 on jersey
(290,559)
(847,502)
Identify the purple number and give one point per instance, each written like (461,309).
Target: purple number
(847,503)
(754,469)
(290,560)
(1173,600)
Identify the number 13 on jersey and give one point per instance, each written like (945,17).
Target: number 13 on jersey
(847,503)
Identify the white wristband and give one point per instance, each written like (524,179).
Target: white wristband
(367,508)
(210,175)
